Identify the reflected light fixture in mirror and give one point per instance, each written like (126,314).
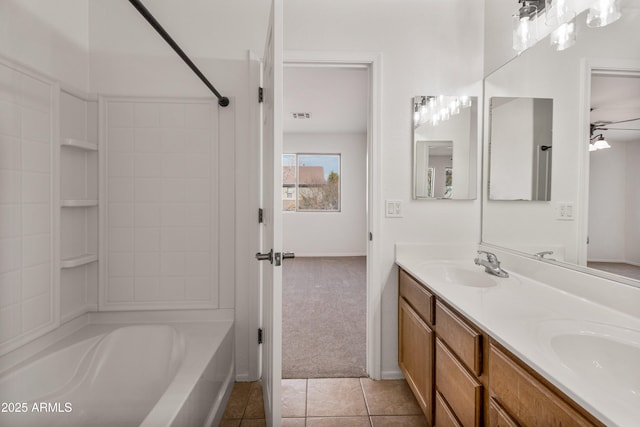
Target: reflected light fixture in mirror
(437,109)
(564,36)
(603,12)
(524,27)
(598,143)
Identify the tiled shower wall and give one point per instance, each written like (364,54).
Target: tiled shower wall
(160,228)
(28,282)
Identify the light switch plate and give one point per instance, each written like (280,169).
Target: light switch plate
(566,211)
(393,208)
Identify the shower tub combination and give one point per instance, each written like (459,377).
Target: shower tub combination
(117,374)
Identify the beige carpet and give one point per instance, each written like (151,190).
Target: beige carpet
(324,317)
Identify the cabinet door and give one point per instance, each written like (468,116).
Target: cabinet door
(415,356)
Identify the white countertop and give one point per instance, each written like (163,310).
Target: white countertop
(522,314)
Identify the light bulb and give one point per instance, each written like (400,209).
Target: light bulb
(454,106)
(559,11)
(524,29)
(564,36)
(603,12)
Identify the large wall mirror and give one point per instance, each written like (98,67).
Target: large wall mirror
(445,147)
(591,218)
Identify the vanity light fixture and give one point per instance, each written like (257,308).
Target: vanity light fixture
(560,15)
(437,109)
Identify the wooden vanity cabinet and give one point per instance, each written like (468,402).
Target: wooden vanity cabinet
(520,397)
(416,340)
(462,377)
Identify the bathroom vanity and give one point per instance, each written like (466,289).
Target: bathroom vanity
(480,350)
(462,377)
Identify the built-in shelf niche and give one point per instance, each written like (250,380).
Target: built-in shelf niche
(75,203)
(79,204)
(79,144)
(78,261)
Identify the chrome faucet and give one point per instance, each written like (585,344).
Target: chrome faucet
(540,255)
(491,264)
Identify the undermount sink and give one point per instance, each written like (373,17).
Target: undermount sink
(460,275)
(601,354)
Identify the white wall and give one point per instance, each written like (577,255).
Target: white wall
(331,233)
(427,47)
(28,207)
(161,205)
(51,37)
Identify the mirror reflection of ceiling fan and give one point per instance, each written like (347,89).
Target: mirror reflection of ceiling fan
(606,125)
(597,140)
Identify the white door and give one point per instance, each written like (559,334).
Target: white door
(271,250)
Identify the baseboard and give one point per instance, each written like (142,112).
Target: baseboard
(392,375)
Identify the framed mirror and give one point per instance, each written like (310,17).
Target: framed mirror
(590,221)
(520,147)
(445,147)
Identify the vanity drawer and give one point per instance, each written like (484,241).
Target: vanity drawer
(463,340)
(444,414)
(528,401)
(417,296)
(461,390)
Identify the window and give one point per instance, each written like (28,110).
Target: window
(311,182)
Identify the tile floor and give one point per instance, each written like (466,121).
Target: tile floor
(328,402)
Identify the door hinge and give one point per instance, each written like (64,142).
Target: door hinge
(259,335)
(260,215)
(260,94)
(370,236)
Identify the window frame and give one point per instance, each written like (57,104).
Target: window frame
(296,186)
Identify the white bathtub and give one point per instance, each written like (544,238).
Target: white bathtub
(114,374)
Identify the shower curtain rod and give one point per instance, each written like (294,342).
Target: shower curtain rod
(223,101)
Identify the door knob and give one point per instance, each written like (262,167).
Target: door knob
(265,257)
(288,255)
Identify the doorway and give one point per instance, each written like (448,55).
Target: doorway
(325,184)
(614,203)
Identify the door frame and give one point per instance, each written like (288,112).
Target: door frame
(590,67)
(374,208)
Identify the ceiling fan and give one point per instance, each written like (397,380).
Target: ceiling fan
(603,125)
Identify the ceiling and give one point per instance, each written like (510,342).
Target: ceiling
(615,98)
(336,97)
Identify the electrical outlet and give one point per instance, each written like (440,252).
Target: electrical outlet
(393,208)
(566,211)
